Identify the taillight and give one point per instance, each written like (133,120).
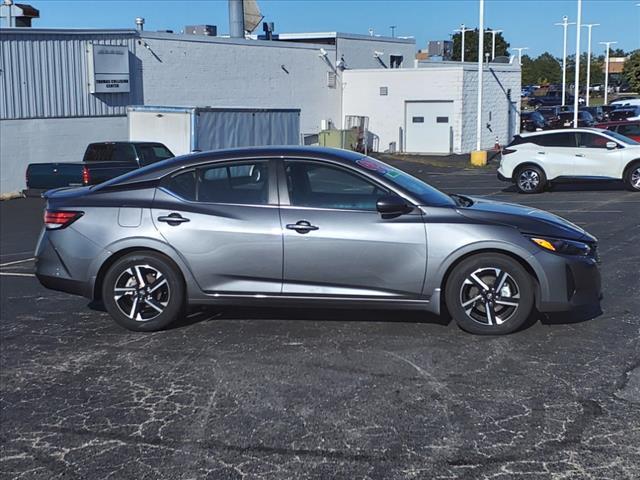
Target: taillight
(507,151)
(86,176)
(57,219)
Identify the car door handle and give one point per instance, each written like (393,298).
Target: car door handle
(173,219)
(302,226)
(542,153)
(579,155)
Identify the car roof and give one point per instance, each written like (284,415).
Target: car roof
(160,169)
(563,130)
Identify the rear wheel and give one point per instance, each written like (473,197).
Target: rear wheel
(143,292)
(530,179)
(489,294)
(632,177)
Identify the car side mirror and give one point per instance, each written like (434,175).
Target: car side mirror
(612,145)
(392,205)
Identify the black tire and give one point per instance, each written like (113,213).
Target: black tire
(150,305)
(632,177)
(510,306)
(530,179)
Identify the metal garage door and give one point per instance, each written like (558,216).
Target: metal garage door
(428,126)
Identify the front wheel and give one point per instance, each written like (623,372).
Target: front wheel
(489,294)
(143,291)
(632,177)
(530,179)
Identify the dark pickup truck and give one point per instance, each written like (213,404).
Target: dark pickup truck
(102,161)
(553,97)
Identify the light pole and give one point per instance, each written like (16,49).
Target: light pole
(576,91)
(493,41)
(606,69)
(520,49)
(480,67)
(393,31)
(565,23)
(589,26)
(462,29)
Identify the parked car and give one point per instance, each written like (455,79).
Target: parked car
(627,128)
(533,160)
(597,112)
(312,227)
(625,113)
(551,98)
(606,110)
(565,120)
(532,121)
(624,101)
(102,161)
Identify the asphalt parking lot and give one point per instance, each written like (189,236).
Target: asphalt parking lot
(295,394)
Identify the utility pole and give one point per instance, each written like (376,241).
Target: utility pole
(576,91)
(493,41)
(606,69)
(520,49)
(565,23)
(393,31)
(589,26)
(480,68)
(462,29)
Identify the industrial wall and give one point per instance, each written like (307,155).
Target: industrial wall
(361,96)
(45,75)
(183,70)
(359,52)
(440,81)
(50,140)
(503,115)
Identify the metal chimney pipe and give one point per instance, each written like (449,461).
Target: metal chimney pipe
(139,24)
(236,19)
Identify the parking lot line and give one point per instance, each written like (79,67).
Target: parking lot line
(15,262)
(11,274)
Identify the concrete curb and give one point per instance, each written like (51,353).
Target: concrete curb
(11,195)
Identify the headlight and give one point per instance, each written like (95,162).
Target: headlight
(565,247)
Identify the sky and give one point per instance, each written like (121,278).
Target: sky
(526,23)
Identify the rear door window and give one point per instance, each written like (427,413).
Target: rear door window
(564,139)
(627,130)
(149,153)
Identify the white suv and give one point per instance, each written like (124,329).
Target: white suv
(532,160)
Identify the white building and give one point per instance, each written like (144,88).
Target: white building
(433,109)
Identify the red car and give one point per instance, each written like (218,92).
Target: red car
(628,128)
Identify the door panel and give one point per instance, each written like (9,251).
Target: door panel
(593,159)
(230,248)
(354,253)
(428,126)
(336,243)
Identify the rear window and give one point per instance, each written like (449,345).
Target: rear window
(152,153)
(99,152)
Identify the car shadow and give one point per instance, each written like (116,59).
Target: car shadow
(204,314)
(580,315)
(578,186)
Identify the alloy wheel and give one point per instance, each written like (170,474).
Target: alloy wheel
(528,180)
(635,178)
(490,296)
(142,292)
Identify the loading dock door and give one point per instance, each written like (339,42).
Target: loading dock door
(428,127)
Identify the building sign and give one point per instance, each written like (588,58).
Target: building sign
(108,68)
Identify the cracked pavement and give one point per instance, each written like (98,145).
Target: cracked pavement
(278,394)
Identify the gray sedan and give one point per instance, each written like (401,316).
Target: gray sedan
(314,227)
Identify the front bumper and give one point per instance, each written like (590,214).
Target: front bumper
(573,283)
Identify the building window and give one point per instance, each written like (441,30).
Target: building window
(384,91)
(396,61)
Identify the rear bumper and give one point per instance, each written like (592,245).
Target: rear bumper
(573,284)
(60,284)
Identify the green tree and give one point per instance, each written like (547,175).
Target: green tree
(617,52)
(631,72)
(597,69)
(541,70)
(471,45)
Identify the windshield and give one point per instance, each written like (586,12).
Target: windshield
(622,138)
(425,193)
